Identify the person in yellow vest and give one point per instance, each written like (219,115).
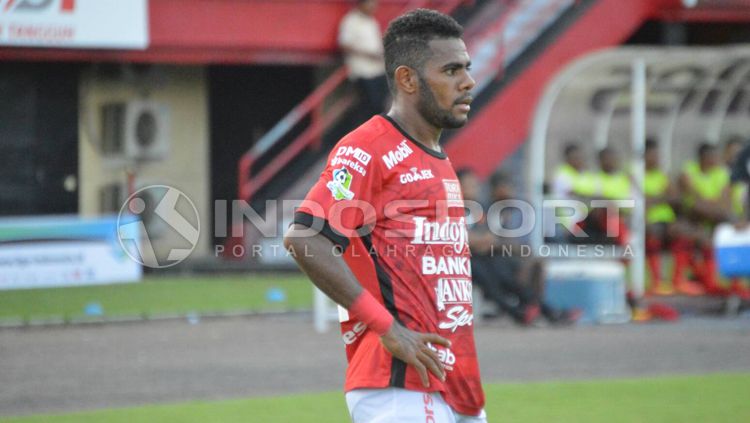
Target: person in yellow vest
(610,183)
(569,180)
(567,174)
(662,227)
(705,190)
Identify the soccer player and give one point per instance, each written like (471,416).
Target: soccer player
(383,234)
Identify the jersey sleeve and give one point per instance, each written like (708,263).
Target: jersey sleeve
(345,198)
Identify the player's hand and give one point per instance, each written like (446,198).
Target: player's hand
(412,348)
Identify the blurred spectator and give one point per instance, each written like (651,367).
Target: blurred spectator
(511,279)
(361,42)
(732,148)
(566,185)
(662,227)
(738,190)
(704,187)
(567,175)
(610,183)
(741,176)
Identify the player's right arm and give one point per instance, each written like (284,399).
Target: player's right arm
(330,273)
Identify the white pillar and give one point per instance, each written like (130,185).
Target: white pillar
(638,138)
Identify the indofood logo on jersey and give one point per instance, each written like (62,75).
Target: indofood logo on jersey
(456,294)
(446,232)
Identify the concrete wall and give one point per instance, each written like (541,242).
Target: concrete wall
(184,91)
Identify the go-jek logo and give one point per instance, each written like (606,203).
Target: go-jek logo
(63,6)
(167,226)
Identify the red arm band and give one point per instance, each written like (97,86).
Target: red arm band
(368,310)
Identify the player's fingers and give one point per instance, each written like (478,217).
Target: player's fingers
(422,372)
(436,339)
(432,364)
(433,355)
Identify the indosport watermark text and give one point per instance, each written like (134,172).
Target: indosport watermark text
(168,210)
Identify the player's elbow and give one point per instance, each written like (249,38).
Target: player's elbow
(290,240)
(294,239)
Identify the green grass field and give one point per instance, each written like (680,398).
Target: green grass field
(710,398)
(158,297)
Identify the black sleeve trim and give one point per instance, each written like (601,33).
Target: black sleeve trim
(310,221)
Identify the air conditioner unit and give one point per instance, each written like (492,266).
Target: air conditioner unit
(135,130)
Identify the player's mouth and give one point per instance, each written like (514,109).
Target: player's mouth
(463,104)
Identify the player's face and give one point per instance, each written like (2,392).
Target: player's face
(445,84)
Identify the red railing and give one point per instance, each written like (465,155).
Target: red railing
(248,185)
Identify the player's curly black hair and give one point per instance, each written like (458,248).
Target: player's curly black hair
(406,41)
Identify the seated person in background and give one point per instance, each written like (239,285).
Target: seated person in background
(566,184)
(610,183)
(663,228)
(566,176)
(740,178)
(738,190)
(704,188)
(513,282)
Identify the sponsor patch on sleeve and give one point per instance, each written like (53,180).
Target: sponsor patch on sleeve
(340,184)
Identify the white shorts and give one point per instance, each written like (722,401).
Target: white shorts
(396,405)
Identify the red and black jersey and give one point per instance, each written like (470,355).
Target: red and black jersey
(395,207)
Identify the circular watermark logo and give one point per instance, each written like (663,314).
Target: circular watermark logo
(158,226)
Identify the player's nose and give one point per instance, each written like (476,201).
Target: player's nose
(468,82)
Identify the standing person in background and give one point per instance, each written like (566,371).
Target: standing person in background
(360,41)
(704,187)
(383,233)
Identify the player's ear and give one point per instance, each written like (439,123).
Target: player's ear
(405,79)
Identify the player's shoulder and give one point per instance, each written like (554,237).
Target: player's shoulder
(374,136)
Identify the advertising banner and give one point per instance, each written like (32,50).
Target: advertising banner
(114,24)
(63,251)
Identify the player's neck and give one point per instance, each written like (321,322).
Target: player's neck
(417,127)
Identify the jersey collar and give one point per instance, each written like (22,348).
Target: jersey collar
(437,154)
